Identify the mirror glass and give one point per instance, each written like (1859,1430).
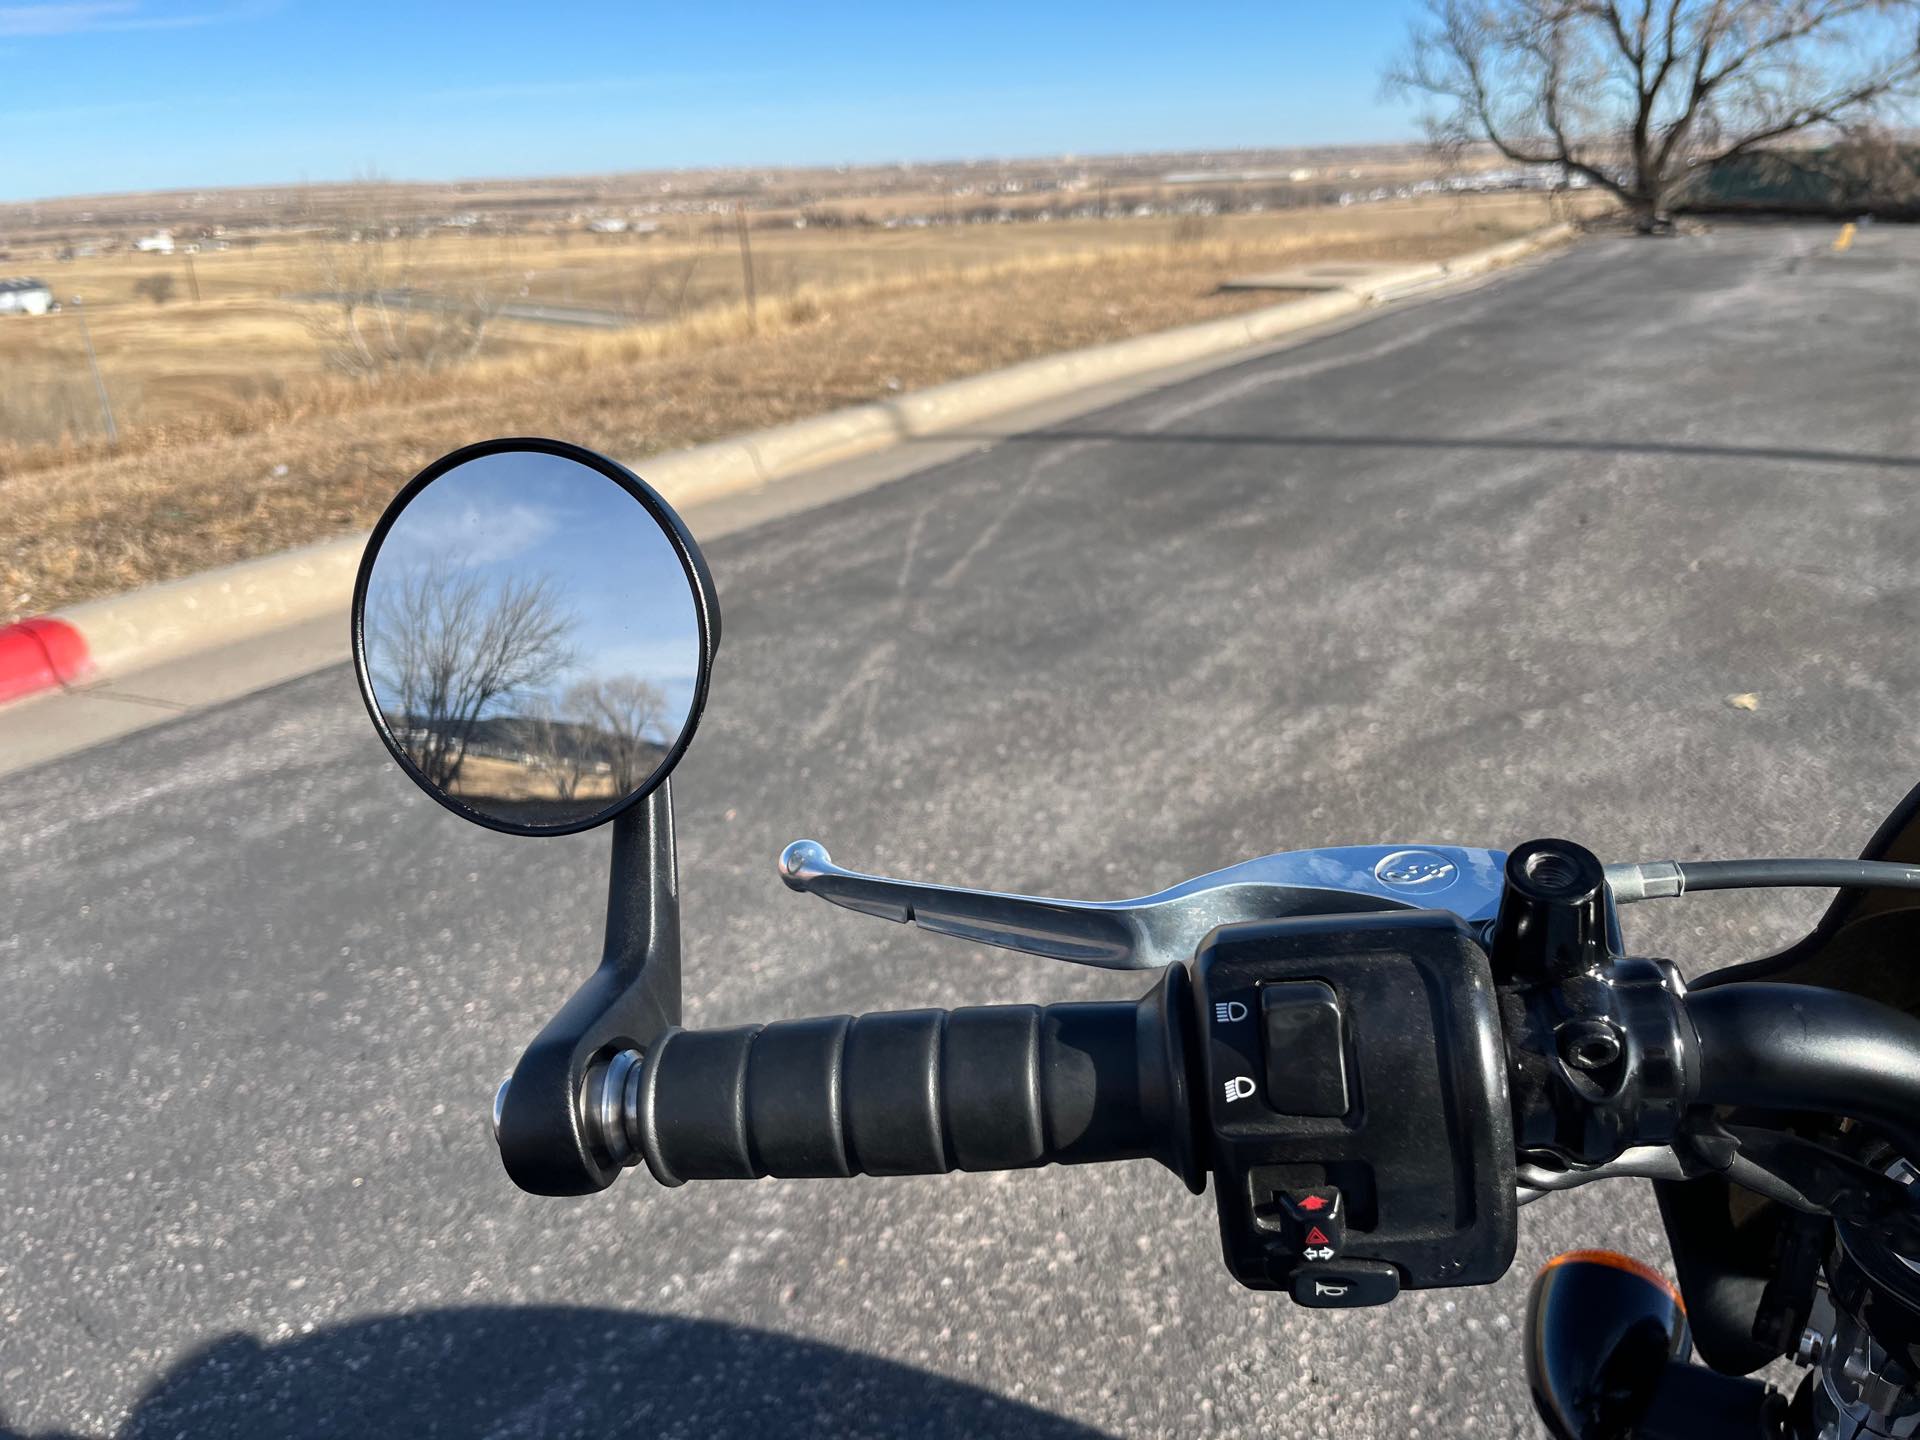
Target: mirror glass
(532,639)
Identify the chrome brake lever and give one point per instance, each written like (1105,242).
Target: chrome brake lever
(1167,927)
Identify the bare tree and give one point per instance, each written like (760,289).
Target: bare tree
(554,744)
(626,712)
(354,261)
(1876,168)
(447,648)
(374,308)
(1638,95)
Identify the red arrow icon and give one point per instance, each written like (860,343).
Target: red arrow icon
(1314,1237)
(1313,1202)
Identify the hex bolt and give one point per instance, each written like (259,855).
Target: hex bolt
(1588,1044)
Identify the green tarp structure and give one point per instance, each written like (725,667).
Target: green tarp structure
(1844,181)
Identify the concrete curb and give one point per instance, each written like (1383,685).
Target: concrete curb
(177,618)
(101,639)
(1478,262)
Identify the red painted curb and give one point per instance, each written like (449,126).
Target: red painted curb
(38,655)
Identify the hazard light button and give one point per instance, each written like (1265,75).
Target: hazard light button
(1316,1225)
(1318,1228)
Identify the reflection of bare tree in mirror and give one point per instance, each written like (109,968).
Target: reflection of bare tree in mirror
(447,647)
(624,712)
(553,746)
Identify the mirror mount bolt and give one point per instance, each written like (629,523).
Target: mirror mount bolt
(609,1107)
(1552,922)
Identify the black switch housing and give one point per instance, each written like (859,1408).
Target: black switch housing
(1360,1054)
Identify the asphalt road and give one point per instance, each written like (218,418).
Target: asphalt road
(1474,570)
(590,316)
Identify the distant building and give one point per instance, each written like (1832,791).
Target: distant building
(21,296)
(160,242)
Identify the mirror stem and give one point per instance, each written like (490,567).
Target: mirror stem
(643,910)
(626,1004)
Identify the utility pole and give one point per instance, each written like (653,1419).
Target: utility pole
(193,280)
(746,265)
(99,385)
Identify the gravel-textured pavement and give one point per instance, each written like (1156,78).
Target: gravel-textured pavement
(1474,570)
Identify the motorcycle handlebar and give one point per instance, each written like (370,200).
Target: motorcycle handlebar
(917,1092)
(1007,1087)
(1798,1047)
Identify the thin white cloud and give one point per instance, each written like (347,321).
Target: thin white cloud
(471,535)
(63,19)
(92,17)
(667,659)
(68,114)
(540,89)
(652,84)
(109,109)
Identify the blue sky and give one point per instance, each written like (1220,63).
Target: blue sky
(105,95)
(516,515)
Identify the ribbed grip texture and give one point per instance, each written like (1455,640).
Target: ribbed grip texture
(909,1092)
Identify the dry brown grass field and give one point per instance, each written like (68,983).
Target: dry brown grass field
(483,777)
(236,440)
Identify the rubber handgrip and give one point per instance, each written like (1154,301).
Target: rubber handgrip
(913,1092)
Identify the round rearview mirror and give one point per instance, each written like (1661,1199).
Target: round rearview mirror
(533,629)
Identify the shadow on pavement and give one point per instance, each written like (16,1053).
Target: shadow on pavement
(559,1371)
(1678,449)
